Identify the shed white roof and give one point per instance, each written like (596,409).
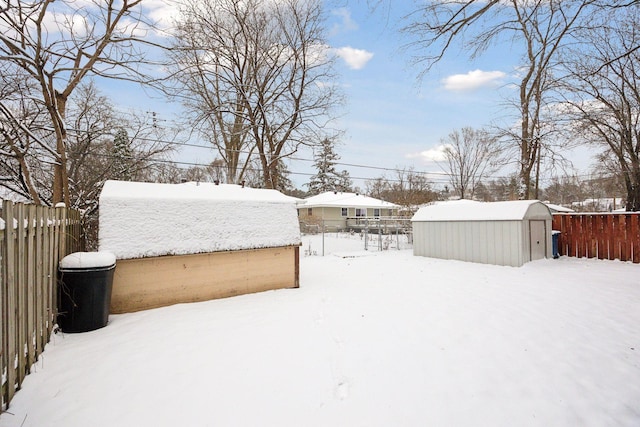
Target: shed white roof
(462,210)
(340,199)
(145,219)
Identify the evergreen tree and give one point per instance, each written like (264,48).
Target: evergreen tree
(284,182)
(122,156)
(328,178)
(344,182)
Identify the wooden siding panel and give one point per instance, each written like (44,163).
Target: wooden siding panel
(145,283)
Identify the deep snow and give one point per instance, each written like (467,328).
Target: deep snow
(142,219)
(387,339)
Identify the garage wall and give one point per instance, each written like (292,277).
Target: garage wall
(144,283)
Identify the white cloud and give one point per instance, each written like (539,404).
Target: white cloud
(472,80)
(431,155)
(346,23)
(356,59)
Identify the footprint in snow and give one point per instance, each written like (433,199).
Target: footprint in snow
(342,390)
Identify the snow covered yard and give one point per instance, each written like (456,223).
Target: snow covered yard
(387,339)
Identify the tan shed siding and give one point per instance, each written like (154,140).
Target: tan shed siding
(145,283)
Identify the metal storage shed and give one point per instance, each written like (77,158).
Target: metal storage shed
(501,233)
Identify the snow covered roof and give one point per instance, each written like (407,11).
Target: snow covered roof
(558,208)
(344,200)
(465,210)
(144,219)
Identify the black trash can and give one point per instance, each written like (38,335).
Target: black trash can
(84,290)
(555,237)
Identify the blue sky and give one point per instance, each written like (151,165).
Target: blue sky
(392,119)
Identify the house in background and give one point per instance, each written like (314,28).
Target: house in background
(605,204)
(340,211)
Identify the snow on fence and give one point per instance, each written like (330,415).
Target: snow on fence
(599,235)
(30,248)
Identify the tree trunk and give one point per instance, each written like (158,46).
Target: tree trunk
(60,188)
(633,192)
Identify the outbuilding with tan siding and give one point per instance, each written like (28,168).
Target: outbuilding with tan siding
(177,243)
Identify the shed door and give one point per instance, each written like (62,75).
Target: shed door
(538,239)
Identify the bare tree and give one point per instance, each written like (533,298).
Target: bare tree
(24,133)
(55,45)
(471,155)
(258,77)
(542,28)
(408,188)
(605,100)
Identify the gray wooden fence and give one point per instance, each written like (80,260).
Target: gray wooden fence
(32,241)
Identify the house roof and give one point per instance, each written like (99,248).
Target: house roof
(558,208)
(344,200)
(465,210)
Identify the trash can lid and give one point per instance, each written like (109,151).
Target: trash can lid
(88,260)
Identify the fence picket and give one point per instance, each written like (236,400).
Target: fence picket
(628,244)
(634,236)
(41,307)
(21,289)
(590,237)
(31,304)
(10,314)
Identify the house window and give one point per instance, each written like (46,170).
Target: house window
(309,211)
(361,212)
(344,211)
(376,213)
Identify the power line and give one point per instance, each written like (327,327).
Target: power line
(438,177)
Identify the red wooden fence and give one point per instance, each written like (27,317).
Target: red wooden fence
(599,235)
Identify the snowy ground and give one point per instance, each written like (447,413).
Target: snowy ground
(381,340)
